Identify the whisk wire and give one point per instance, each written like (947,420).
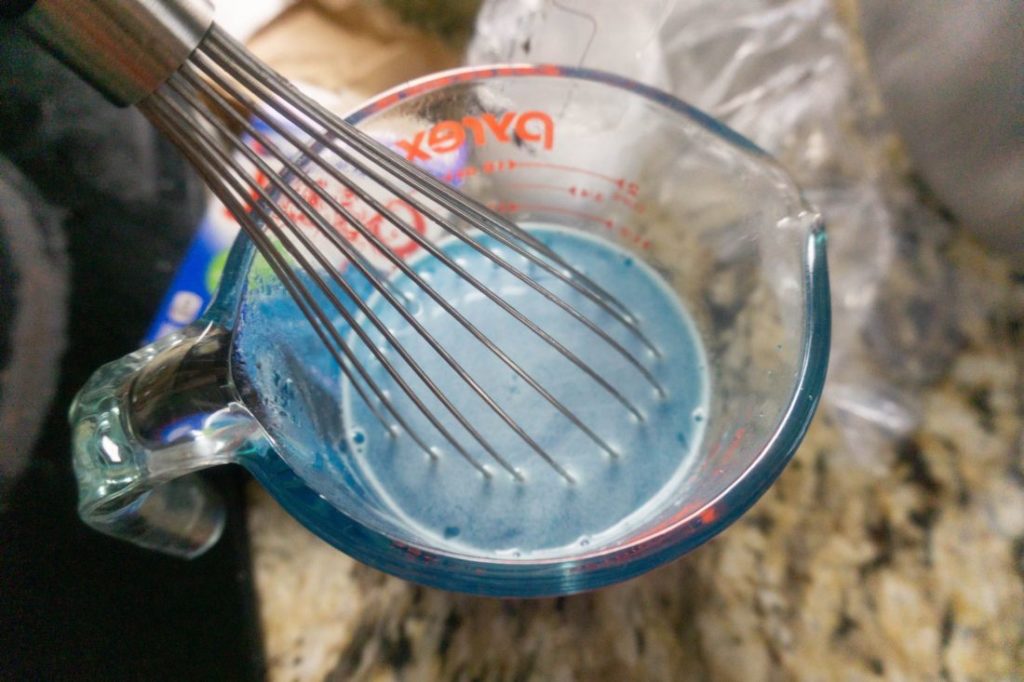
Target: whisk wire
(346,248)
(289,192)
(263,177)
(222,184)
(310,154)
(209,155)
(276,91)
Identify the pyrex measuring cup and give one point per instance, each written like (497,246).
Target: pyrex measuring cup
(587,153)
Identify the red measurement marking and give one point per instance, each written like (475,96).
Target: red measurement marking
(574,169)
(623,231)
(632,188)
(685,515)
(711,513)
(489,167)
(629,203)
(568,211)
(585,193)
(401,244)
(650,540)
(734,445)
(535,185)
(386,101)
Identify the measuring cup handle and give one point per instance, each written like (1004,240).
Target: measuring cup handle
(143,425)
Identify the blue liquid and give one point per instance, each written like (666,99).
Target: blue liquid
(446,501)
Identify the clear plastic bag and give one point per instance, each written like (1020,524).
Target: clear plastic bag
(786,75)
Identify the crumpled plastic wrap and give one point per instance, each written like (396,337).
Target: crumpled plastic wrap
(788,76)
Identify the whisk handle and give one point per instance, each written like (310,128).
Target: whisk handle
(124,48)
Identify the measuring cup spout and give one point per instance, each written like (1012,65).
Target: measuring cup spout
(143,425)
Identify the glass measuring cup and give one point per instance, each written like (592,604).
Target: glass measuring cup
(592,154)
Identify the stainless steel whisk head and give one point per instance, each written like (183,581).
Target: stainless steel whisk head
(294,175)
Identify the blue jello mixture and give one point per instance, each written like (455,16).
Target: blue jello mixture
(444,500)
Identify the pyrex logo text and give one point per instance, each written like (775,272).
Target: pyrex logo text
(448,136)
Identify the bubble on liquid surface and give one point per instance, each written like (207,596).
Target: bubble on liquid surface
(357,436)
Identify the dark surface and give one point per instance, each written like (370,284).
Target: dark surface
(8,280)
(12,8)
(73,603)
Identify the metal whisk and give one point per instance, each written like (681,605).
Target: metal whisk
(281,163)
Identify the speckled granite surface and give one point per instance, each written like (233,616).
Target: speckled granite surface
(871,558)
(913,569)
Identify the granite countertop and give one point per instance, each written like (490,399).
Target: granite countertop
(870,558)
(912,569)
